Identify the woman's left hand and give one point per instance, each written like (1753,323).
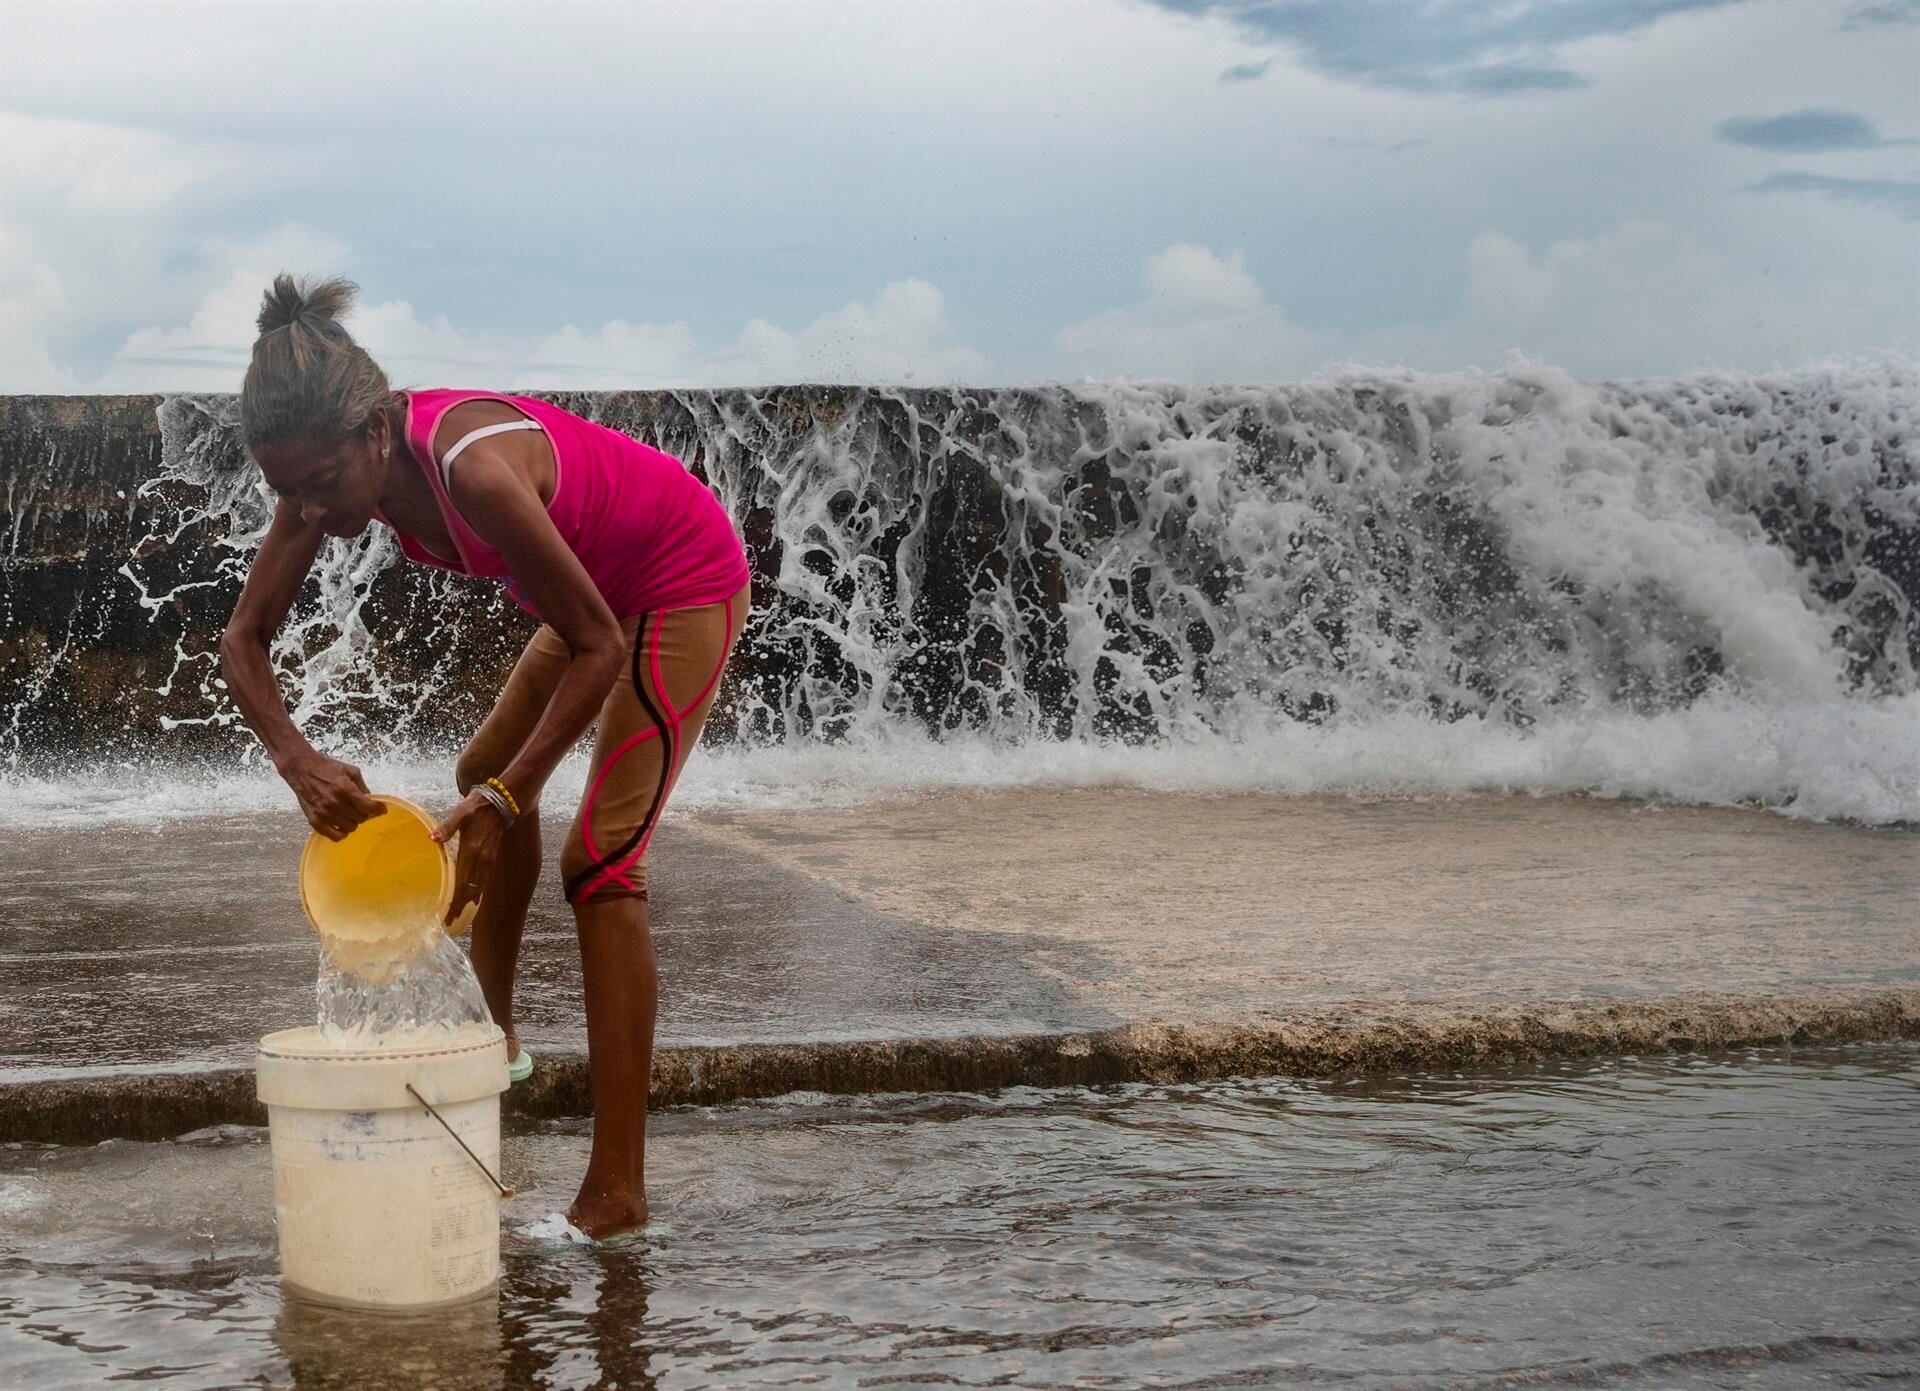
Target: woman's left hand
(480,830)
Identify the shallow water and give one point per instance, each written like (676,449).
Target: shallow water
(1703,1221)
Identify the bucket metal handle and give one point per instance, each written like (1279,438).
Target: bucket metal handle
(505,1191)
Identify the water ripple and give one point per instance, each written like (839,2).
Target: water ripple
(1715,1221)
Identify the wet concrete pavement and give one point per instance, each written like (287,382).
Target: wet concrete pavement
(1250,906)
(1004,913)
(181,948)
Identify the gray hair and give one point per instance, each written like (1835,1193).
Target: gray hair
(308,381)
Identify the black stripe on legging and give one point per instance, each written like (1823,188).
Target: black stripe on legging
(614,857)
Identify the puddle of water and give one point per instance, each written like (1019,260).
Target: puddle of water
(1709,1221)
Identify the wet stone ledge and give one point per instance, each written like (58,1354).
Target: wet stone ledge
(1356,1041)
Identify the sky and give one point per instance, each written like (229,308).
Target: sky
(736,193)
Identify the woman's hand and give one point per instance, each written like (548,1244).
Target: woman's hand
(332,794)
(480,829)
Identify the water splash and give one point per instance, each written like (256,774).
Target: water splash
(428,991)
(1445,580)
(326,657)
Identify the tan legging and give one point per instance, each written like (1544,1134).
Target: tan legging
(649,724)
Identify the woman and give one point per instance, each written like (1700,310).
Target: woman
(641,586)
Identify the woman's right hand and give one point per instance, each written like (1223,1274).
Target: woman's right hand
(332,794)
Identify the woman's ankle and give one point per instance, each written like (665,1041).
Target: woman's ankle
(603,1214)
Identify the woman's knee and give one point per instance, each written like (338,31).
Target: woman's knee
(587,879)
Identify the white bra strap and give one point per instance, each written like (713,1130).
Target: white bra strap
(446,464)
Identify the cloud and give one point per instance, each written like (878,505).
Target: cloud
(416,351)
(93,169)
(618,352)
(1509,79)
(1466,47)
(1884,12)
(211,350)
(1246,72)
(1809,131)
(93,238)
(1503,281)
(1203,318)
(1643,299)
(1440,255)
(1623,276)
(1347,142)
(32,300)
(1898,196)
(1193,277)
(901,335)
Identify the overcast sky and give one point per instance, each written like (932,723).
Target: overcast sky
(731,192)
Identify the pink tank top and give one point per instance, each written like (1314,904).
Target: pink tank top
(650,534)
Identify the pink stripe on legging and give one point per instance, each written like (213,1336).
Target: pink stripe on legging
(586,815)
(673,774)
(716,673)
(593,793)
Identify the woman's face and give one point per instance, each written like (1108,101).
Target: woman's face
(336,486)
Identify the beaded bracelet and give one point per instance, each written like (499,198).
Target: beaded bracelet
(501,788)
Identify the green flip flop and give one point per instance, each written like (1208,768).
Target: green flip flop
(521,1068)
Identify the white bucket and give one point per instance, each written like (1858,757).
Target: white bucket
(378,1206)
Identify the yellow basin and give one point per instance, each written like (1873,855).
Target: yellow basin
(377,896)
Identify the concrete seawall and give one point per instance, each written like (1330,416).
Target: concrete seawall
(1359,1041)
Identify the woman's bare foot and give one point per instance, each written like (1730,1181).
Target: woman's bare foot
(603,1215)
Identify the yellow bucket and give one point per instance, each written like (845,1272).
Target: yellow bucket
(377,895)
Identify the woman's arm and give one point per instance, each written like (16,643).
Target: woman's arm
(502,506)
(505,511)
(332,794)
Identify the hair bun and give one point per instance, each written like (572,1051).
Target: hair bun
(288,302)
